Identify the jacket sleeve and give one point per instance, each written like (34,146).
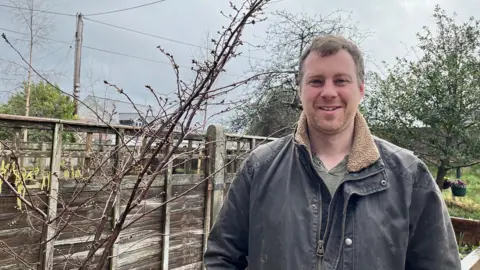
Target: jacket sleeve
(227,245)
(432,242)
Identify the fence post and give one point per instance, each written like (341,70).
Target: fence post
(88,152)
(16,147)
(116,208)
(217,154)
(166,225)
(53,194)
(253,143)
(208,196)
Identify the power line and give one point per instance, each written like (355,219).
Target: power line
(108,51)
(124,28)
(160,37)
(146,34)
(127,55)
(25,34)
(38,10)
(125,9)
(92,48)
(73,15)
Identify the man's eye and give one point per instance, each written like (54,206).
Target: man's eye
(316,81)
(341,81)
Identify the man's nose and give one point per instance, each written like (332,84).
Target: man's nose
(329,90)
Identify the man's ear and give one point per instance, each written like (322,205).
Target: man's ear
(362,90)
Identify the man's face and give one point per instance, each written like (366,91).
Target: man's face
(330,91)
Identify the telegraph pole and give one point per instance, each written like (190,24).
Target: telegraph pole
(78,57)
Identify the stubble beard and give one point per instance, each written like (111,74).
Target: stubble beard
(330,130)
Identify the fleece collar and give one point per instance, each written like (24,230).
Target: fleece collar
(364,151)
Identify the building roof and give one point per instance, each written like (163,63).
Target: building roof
(111,109)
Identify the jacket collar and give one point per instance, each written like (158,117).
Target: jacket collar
(364,151)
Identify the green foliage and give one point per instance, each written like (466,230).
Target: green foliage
(45,101)
(431,105)
(468,206)
(466,249)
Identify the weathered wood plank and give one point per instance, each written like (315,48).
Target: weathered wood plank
(188,202)
(128,182)
(73,242)
(472,260)
(88,151)
(217,155)
(39,154)
(193,266)
(232,136)
(53,194)
(42,161)
(118,195)
(85,217)
(141,243)
(20,233)
(186,249)
(26,124)
(143,258)
(71,257)
(187,226)
(75,239)
(73,126)
(166,224)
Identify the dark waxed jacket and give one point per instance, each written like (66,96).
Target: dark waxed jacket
(387,214)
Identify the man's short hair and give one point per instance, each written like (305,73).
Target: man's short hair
(327,45)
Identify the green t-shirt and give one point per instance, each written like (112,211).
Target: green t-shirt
(334,177)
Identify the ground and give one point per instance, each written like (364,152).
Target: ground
(468,206)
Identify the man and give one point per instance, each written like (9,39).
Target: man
(331,195)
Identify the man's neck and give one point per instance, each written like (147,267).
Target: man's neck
(331,148)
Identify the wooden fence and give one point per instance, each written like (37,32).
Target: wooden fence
(54,170)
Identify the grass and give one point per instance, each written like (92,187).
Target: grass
(468,206)
(465,207)
(465,250)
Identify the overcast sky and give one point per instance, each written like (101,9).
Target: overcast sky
(393,24)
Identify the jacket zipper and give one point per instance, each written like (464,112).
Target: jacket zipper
(321,241)
(320,245)
(320,252)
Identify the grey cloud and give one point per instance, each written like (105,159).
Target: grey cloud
(391,22)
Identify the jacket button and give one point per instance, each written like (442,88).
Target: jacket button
(314,207)
(383,182)
(348,242)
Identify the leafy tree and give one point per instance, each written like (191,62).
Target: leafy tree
(431,105)
(273,106)
(46,101)
(38,25)
(272,114)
